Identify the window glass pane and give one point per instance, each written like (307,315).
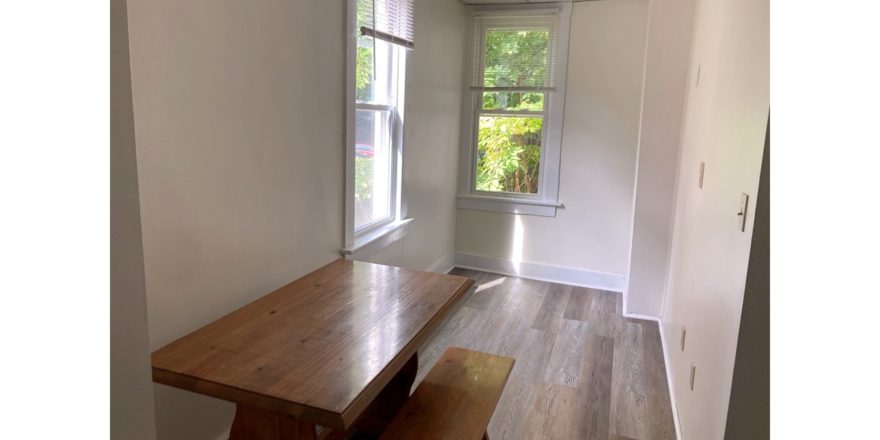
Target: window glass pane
(515,58)
(374,85)
(532,101)
(364,69)
(509,153)
(372,166)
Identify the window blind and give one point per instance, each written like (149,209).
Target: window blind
(389,20)
(516,52)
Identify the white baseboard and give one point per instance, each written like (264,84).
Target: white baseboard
(639,316)
(443,265)
(542,272)
(672,399)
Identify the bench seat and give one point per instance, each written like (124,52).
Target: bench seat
(455,400)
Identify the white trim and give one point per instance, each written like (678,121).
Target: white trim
(672,399)
(513,198)
(508,8)
(374,107)
(552,157)
(224,435)
(502,112)
(639,316)
(375,240)
(509,205)
(443,265)
(542,272)
(350,109)
(372,226)
(635,190)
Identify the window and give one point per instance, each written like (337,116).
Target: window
(377,122)
(511,145)
(380,33)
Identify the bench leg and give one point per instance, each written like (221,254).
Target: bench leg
(385,406)
(252,423)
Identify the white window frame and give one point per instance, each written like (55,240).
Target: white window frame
(546,201)
(365,240)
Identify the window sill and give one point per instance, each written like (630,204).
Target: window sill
(377,239)
(543,208)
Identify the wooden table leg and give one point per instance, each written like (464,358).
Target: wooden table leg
(252,423)
(379,414)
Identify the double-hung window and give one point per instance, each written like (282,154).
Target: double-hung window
(514,104)
(380,33)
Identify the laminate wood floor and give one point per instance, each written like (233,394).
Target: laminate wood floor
(582,370)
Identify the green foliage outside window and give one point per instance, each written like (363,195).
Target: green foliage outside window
(364,56)
(509,150)
(363,166)
(364,69)
(363,169)
(515,58)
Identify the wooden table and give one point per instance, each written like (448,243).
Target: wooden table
(337,348)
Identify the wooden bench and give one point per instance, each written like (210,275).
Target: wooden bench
(455,400)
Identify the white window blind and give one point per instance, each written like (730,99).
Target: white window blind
(389,20)
(530,61)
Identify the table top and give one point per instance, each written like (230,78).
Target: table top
(320,348)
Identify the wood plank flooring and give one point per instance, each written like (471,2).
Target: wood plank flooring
(582,370)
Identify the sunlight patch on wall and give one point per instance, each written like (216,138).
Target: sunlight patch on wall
(517,249)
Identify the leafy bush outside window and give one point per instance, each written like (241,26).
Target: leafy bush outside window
(508,154)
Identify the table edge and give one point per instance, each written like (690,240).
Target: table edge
(237,395)
(374,387)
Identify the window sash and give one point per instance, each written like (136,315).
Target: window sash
(500,112)
(388,96)
(513,89)
(475,149)
(385,60)
(389,129)
(373,106)
(384,98)
(373,225)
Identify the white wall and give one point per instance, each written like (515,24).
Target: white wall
(670,26)
(725,123)
(131,394)
(433,117)
(239,110)
(599,142)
